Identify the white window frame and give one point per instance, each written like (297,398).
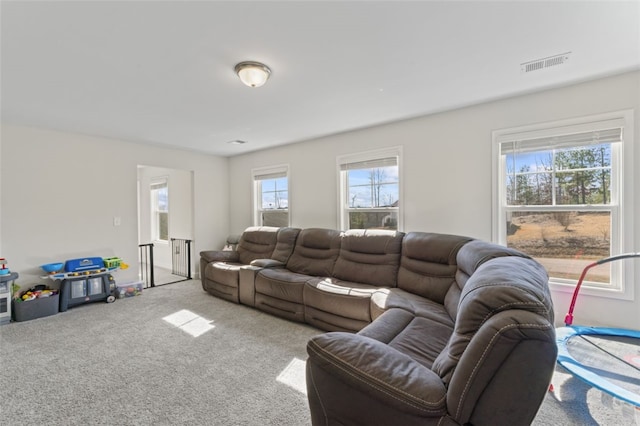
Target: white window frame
(262,173)
(621,208)
(343,190)
(155,232)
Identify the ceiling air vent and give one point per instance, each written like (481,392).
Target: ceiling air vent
(543,63)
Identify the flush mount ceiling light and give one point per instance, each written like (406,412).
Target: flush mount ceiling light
(253,74)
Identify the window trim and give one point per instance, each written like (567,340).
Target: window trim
(622,227)
(360,157)
(256,193)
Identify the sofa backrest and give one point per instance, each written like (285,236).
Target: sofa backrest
(428,264)
(315,252)
(286,242)
(469,259)
(499,283)
(369,257)
(257,242)
(477,252)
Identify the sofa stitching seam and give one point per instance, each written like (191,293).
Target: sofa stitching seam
(484,353)
(315,348)
(511,304)
(315,388)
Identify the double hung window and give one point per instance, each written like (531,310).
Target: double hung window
(159,193)
(271,196)
(370,190)
(560,195)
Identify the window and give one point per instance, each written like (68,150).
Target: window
(370,190)
(160,210)
(560,196)
(271,196)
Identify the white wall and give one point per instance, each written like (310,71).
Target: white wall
(1,255)
(446,171)
(61,191)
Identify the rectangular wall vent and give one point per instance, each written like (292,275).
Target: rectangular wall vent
(543,63)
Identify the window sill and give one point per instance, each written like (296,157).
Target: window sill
(585,290)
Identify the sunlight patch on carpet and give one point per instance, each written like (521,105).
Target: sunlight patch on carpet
(189,322)
(293,376)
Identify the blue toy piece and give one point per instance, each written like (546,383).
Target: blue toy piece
(52,267)
(606,358)
(602,376)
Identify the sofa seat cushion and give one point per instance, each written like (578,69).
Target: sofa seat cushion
(281,284)
(399,388)
(343,298)
(420,338)
(222,280)
(385,299)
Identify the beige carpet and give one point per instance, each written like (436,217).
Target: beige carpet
(173,355)
(178,356)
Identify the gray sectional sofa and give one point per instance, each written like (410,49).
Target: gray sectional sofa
(423,328)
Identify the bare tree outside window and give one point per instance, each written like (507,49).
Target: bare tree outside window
(159,194)
(373,198)
(272,199)
(569,180)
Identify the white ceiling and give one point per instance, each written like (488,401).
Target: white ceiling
(161,72)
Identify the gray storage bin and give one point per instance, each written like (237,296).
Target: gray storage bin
(36,308)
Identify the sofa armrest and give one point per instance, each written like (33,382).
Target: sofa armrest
(387,382)
(511,349)
(219,256)
(247,279)
(267,263)
(247,284)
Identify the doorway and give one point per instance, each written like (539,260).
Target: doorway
(165,225)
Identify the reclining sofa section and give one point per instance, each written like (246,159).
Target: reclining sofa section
(424,328)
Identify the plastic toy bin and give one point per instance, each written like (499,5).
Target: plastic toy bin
(128,289)
(112,262)
(36,308)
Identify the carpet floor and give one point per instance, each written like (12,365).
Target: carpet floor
(178,356)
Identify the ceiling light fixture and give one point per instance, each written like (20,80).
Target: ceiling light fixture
(253,74)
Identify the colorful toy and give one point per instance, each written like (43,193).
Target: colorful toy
(112,262)
(52,268)
(4,269)
(603,357)
(129,289)
(37,293)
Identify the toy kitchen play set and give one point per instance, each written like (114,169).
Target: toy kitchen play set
(86,280)
(83,280)
(7,279)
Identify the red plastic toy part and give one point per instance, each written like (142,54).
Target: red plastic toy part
(568,319)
